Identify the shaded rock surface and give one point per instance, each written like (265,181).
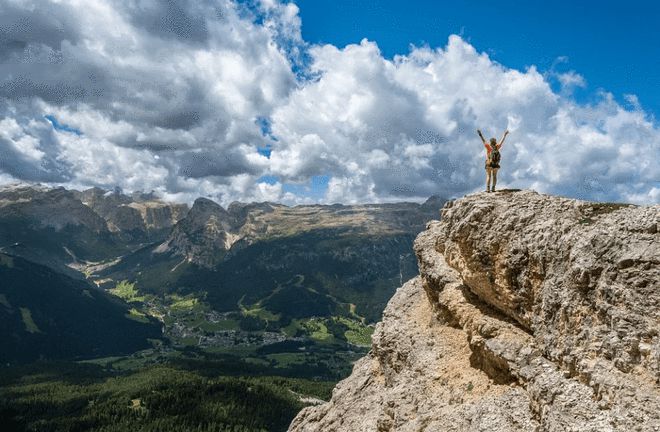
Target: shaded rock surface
(140,215)
(204,235)
(68,230)
(531,313)
(54,208)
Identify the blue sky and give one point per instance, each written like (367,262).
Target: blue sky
(614,45)
(61,127)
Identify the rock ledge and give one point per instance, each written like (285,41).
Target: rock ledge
(531,313)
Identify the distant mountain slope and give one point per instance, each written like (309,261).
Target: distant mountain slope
(52,227)
(291,262)
(270,262)
(45,314)
(138,217)
(66,229)
(209,232)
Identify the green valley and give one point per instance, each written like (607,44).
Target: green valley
(202,319)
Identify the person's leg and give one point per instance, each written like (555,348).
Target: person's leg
(494,176)
(488,171)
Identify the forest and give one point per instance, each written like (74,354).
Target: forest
(68,396)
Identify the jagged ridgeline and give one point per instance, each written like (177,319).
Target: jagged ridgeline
(530,313)
(275,267)
(288,262)
(68,230)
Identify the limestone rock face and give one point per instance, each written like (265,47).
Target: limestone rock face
(203,235)
(142,215)
(531,313)
(41,207)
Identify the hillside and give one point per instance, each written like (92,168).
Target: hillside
(68,230)
(47,315)
(295,288)
(531,313)
(59,397)
(288,262)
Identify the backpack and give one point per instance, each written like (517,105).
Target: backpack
(494,158)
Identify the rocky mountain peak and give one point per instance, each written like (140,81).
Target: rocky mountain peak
(531,313)
(433,202)
(204,212)
(204,235)
(204,204)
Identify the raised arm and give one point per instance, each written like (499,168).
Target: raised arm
(481,136)
(503,138)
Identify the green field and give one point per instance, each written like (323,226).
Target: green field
(30,325)
(4,301)
(136,315)
(126,291)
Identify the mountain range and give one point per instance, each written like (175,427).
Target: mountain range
(272,266)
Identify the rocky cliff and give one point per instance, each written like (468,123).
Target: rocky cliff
(531,313)
(142,216)
(43,207)
(204,235)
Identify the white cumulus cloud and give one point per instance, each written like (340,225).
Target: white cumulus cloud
(183,98)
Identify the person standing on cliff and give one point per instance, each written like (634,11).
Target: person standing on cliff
(492,159)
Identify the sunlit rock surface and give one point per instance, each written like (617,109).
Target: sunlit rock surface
(531,313)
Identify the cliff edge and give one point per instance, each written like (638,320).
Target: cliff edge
(531,313)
